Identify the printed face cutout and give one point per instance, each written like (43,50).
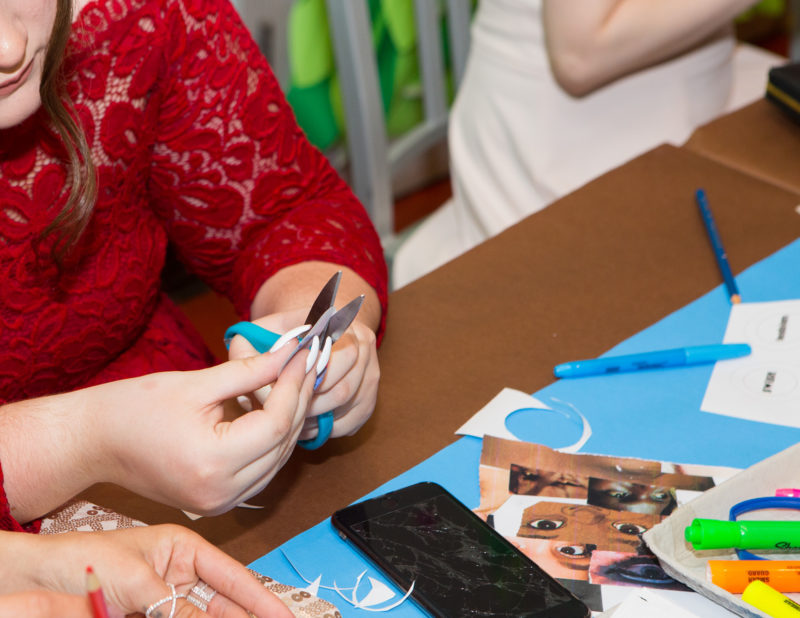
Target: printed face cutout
(584,524)
(542,482)
(632,497)
(621,569)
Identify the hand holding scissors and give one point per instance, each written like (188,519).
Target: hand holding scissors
(351,382)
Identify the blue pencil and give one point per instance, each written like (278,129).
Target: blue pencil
(719,250)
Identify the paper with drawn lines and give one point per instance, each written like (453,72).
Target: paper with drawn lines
(764,386)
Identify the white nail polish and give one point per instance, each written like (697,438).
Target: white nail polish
(262,393)
(245,403)
(313,352)
(286,337)
(324,356)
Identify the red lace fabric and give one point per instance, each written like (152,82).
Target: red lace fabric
(194,145)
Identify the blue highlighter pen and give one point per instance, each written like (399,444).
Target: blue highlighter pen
(677,357)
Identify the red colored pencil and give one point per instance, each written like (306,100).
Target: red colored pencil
(95,593)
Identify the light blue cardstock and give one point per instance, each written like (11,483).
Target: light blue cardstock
(648,414)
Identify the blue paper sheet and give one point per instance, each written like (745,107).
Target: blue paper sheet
(652,414)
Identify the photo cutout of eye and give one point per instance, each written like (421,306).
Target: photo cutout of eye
(632,497)
(498,455)
(629,569)
(586,525)
(558,558)
(549,483)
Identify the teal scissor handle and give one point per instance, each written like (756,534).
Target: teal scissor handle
(262,340)
(324,430)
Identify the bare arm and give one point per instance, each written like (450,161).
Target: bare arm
(296,287)
(47,453)
(593,43)
(163,436)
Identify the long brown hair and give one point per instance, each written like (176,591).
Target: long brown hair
(71,221)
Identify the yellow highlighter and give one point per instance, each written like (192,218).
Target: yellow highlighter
(770,601)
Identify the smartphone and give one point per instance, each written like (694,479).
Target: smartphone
(459,565)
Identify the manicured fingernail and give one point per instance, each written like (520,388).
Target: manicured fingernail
(313,352)
(262,393)
(245,402)
(286,337)
(324,356)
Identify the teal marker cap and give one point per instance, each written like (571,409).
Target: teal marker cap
(701,354)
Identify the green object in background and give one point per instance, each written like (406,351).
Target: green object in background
(314,92)
(404,109)
(400,24)
(320,120)
(766,8)
(310,50)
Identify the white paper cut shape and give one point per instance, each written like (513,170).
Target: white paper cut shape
(491,418)
(313,587)
(242,505)
(379,593)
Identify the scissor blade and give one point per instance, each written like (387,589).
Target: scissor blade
(342,319)
(319,329)
(324,299)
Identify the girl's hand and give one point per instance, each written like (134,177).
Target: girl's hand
(349,386)
(166,437)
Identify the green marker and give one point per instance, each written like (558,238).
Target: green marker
(718,534)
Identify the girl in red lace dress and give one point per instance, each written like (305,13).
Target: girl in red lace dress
(162,125)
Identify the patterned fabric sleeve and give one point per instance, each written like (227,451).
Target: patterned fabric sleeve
(241,190)
(7,522)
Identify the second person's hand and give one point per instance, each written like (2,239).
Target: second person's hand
(135,568)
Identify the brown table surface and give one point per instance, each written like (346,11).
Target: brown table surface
(568,282)
(759,139)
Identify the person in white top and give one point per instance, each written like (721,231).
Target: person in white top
(558,92)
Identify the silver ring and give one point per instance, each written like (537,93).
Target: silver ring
(173,597)
(204,591)
(198,603)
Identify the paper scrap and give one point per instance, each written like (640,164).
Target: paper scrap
(378,594)
(242,505)
(764,386)
(646,602)
(490,420)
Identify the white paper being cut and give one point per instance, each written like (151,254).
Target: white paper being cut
(764,386)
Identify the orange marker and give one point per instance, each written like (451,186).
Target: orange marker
(735,575)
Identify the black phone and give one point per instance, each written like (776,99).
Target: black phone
(458,564)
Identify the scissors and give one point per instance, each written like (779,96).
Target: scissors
(323,321)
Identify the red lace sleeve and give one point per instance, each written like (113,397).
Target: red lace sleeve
(7,522)
(242,191)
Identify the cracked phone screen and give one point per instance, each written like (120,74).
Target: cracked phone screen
(459,565)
